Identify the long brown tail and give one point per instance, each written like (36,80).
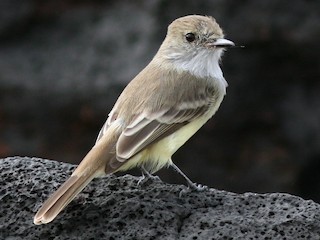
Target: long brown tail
(61,198)
(93,165)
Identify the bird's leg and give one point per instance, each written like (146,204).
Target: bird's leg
(147,176)
(145,172)
(192,185)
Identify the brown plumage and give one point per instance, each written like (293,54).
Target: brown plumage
(159,110)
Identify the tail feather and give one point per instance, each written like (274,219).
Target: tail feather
(95,164)
(61,198)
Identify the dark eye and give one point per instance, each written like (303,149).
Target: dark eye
(190,37)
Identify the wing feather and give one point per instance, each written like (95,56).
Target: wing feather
(149,115)
(147,131)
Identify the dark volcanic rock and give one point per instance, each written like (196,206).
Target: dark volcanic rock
(117,208)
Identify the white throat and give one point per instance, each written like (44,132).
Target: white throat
(203,63)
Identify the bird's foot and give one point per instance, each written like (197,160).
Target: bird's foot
(193,187)
(144,179)
(146,176)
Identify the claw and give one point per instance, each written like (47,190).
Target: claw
(146,176)
(143,179)
(193,187)
(198,187)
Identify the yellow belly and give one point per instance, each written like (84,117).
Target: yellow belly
(158,155)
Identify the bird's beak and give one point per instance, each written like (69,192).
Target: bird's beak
(220,42)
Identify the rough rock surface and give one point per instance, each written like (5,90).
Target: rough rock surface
(118,208)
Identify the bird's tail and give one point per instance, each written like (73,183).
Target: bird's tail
(93,165)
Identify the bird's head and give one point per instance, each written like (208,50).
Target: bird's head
(194,42)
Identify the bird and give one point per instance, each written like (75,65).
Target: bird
(158,111)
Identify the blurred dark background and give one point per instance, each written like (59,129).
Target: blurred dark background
(63,63)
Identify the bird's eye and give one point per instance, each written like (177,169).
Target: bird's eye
(190,37)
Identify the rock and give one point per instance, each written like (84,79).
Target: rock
(117,208)
(64,63)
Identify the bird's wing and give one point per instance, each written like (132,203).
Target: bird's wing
(146,129)
(152,116)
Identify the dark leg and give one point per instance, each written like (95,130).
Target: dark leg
(145,173)
(147,176)
(192,185)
